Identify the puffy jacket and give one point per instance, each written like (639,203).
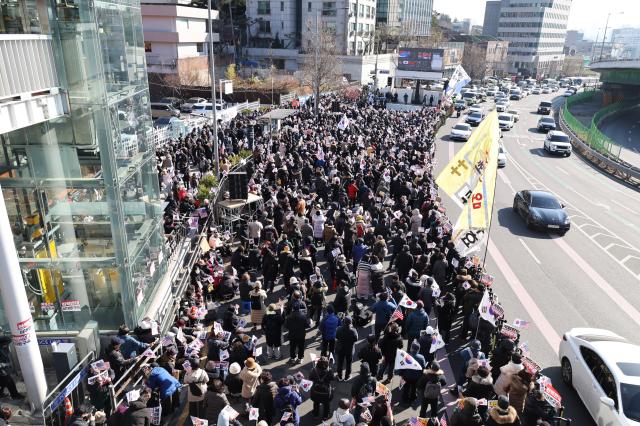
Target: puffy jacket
(346,338)
(297,325)
(389,344)
(467,415)
(416,321)
(506,371)
(131,346)
(383,310)
(342,417)
(498,417)
(162,380)
(287,397)
(137,414)
(329,326)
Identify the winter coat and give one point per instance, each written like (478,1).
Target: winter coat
(214,403)
(321,383)
(431,376)
(480,387)
(287,397)
(371,354)
(506,371)
(499,417)
(410,375)
(467,415)
(389,344)
(250,380)
(234,384)
(162,380)
(329,326)
(346,338)
(263,400)
(137,414)
(318,225)
(343,299)
(257,305)
(342,417)
(404,262)
(518,392)
(416,321)
(297,325)
(272,325)
(383,310)
(200,377)
(439,271)
(131,346)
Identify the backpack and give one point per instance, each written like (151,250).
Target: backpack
(432,390)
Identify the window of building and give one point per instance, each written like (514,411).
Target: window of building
(281,6)
(309,7)
(264,7)
(200,47)
(147,46)
(360,27)
(368,11)
(354,8)
(264,26)
(329,8)
(361,12)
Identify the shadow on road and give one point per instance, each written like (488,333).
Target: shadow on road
(509,219)
(574,408)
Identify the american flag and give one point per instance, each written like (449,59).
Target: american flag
(396,315)
(443,422)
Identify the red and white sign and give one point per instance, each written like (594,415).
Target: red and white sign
(70,305)
(21,339)
(552,396)
(24,326)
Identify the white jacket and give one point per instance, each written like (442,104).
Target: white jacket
(506,371)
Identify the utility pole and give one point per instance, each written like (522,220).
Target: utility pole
(604,37)
(213,96)
(16,306)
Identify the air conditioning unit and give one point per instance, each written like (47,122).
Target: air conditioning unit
(89,339)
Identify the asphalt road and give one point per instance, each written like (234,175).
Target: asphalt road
(588,278)
(624,129)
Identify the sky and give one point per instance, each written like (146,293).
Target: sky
(586,15)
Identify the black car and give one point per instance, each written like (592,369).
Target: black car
(544,108)
(541,210)
(546,124)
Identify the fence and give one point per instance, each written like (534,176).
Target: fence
(72,387)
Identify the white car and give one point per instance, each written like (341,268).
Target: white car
(505,121)
(460,131)
(502,106)
(558,143)
(476,108)
(516,115)
(604,369)
(535,91)
(568,93)
(502,156)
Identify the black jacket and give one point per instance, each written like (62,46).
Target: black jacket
(297,325)
(272,324)
(371,354)
(137,414)
(346,338)
(389,343)
(263,400)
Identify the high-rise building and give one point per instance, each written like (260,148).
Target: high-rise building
(77,171)
(491,18)
(415,17)
(536,33)
(629,38)
(463,26)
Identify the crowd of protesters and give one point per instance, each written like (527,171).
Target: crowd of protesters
(351,228)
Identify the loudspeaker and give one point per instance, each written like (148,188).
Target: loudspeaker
(238,186)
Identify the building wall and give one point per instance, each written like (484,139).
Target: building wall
(536,34)
(491,18)
(415,16)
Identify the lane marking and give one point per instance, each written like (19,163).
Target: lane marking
(599,280)
(536,315)
(506,180)
(526,247)
(623,206)
(563,170)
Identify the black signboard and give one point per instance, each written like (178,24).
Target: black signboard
(423,60)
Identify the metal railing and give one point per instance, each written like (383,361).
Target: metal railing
(72,387)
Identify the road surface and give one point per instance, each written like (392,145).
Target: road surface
(624,129)
(588,278)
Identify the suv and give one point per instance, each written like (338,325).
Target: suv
(546,124)
(160,109)
(557,142)
(544,108)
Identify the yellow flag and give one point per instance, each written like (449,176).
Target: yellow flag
(461,176)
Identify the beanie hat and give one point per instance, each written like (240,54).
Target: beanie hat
(503,402)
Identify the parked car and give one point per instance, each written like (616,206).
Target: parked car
(175,102)
(505,121)
(159,109)
(546,124)
(542,210)
(557,142)
(475,118)
(188,105)
(460,131)
(544,108)
(502,157)
(604,370)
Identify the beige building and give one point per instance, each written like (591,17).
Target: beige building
(484,56)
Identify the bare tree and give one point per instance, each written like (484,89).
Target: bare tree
(474,61)
(321,69)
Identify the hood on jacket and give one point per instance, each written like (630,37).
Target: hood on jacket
(482,380)
(342,415)
(511,368)
(503,417)
(365,371)
(435,372)
(470,406)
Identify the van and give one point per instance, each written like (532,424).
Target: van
(160,109)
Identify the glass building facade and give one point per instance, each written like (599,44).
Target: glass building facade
(82,189)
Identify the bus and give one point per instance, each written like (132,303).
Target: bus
(582,81)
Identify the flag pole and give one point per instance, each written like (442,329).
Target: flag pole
(493,199)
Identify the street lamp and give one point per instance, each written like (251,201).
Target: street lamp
(214,118)
(604,37)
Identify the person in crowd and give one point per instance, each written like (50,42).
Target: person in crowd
(117,361)
(137,413)
(416,321)
(250,376)
(537,409)
(371,354)
(317,296)
(99,388)
(245,286)
(411,376)
(506,371)
(82,416)
(196,379)
(346,338)
(518,388)
(503,415)
(287,400)
(466,413)
(363,386)
(263,398)
(215,400)
(257,297)
(272,326)
(322,389)
(168,387)
(390,342)
(328,328)
(342,416)
(233,382)
(431,384)
(383,309)
(130,347)
(481,387)
(297,323)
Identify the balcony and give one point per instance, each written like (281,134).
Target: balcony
(29,86)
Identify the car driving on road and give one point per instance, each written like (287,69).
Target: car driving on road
(502,156)
(541,210)
(516,115)
(502,105)
(475,118)
(460,131)
(604,370)
(505,121)
(557,142)
(544,108)
(546,124)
